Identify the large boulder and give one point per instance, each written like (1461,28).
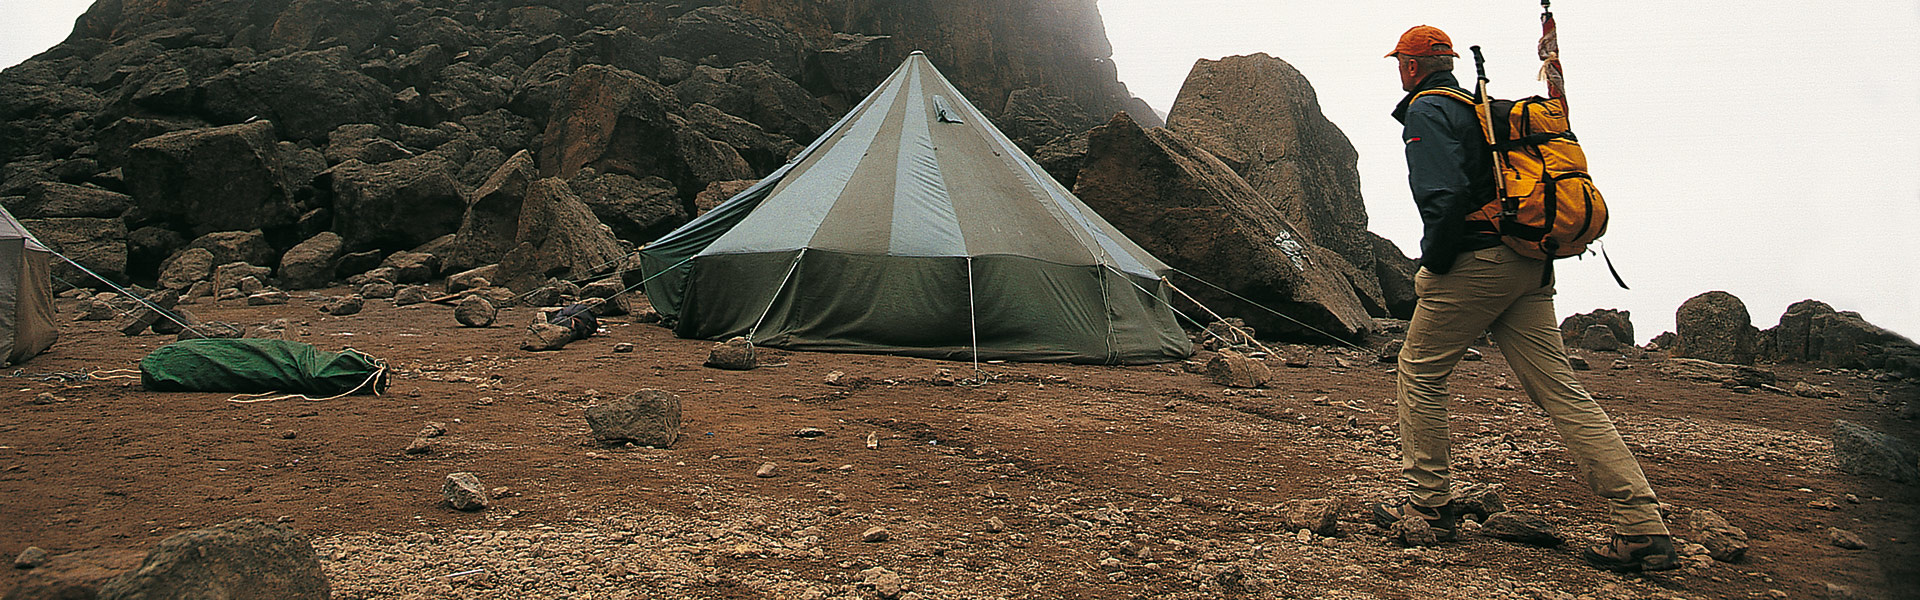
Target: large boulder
(236,246)
(763,151)
(1714,326)
(1813,332)
(1191,211)
(760,95)
(622,123)
(189,266)
(1862,451)
(558,236)
(243,559)
(726,35)
(52,199)
(397,204)
(638,210)
(100,245)
(76,575)
(1261,117)
(307,93)
(645,418)
(310,263)
(1573,329)
(492,219)
(228,178)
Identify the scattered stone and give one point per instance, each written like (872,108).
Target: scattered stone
(810,432)
(544,296)
(1320,516)
(432,430)
(96,310)
(1391,352)
(343,306)
(876,534)
(1522,528)
(463,491)
(44,399)
(243,558)
(1863,451)
(1579,363)
(995,525)
(475,311)
(543,337)
(410,295)
(1478,501)
(419,445)
(735,354)
(30,558)
(623,348)
(887,584)
(1724,542)
(1236,370)
(767,470)
(1501,383)
(1474,355)
(1837,536)
(268,298)
(1414,531)
(1824,503)
(377,290)
(1620,364)
(1835,590)
(944,377)
(644,418)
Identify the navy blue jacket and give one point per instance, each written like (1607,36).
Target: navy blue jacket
(1449,168)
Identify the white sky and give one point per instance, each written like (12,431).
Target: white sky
(1769,149)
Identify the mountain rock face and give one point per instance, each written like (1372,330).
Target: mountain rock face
(1194,213)
(1813,332)
(383,121)
(1261,117)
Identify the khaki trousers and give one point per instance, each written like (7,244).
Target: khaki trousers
(1497,290)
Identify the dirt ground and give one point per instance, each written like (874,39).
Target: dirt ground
(1018,481)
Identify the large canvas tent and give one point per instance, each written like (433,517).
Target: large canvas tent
(915,227)
(26,293)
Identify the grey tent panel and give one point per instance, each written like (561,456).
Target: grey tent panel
(26,293)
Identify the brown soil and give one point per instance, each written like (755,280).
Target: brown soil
(1110,482)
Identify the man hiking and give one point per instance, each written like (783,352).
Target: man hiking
(1471,283)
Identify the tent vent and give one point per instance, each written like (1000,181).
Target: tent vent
(946,112)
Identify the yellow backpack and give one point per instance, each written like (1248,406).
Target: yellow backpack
(1549,207)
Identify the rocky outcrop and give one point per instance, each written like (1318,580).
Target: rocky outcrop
(199,181)
(240,559)
(1573,329)
(397,204)
(1261,117)
(1714,326)
(1813,332)
(1188,209)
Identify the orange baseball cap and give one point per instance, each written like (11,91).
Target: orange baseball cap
(1420,41)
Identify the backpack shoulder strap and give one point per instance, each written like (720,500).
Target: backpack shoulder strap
(1445,92)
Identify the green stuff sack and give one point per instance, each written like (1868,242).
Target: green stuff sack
(259,366)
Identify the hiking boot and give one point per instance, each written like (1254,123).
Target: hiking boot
(1628,553)
(1442,519)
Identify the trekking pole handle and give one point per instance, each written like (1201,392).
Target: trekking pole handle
(1479,63)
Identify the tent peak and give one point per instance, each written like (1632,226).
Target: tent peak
(917,53)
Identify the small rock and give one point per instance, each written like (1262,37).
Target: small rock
(432,430)
(1473,355)
(1236,370)
(943,377)
(475,311)
(420,445)
(995,525)
(1824,503)
(1724,542)
(1620,364)
(622,348)
(44,398)
(464,492)
(344,306)
(767,470)
(1835,590)
(1503,384)
(646,418)
(542,337)
(267,298)
(1414,531)
(1842,538)
(1579,363)
(96,310)
(1478,501)
(1391,352)
(30,558)
(735,355)
(884,582)
(876,534)
(1522,528)
(1318,516)
(289,434)
(377,290)
(810,432)
(410,295)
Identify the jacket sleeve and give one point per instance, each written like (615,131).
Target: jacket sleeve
(1437,164)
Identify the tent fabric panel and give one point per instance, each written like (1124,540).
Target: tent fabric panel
(663,264)
(791,215)
(11,268)
(1024,309)
(923,215)
(33,327)
(999,210)
(10,228)
(858,217)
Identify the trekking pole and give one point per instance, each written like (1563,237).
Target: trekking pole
(1483,104)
